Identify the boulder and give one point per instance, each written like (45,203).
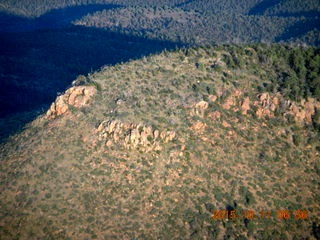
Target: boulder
(229,102)
(264,99)
(199,108)
(57,108)
(226,124)
(216,115)
(310,107)
(245,105)
(198,127)
(212,98)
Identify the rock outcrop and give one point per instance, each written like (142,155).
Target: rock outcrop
(216,115)
(267,105)
(304,111)
(199,108)
(232,100)
(133,136)
(245,106)
(77,96)
(198,127)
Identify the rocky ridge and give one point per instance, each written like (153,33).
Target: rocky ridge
(77,96)
(133,136)
(268,105)
(264,106)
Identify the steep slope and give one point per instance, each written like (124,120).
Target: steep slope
(152,148)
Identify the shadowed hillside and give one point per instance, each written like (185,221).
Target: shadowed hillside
(37,65)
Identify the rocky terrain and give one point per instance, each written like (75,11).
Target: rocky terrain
(150,149)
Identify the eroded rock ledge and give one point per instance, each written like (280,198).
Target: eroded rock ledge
(77,96)
(134,136)
(265,105)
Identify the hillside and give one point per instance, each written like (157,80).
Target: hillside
(152,148)
(215,21)
(35,8)
(175,24)
(37,65)
(40,35)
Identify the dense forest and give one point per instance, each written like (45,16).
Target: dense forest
(189,26)
(297,69)
(215,22)
(274,7)
(255,7)
(202,22)
(294,8)
(35,8)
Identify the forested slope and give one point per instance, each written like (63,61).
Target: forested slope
(192,27)
(215,22)
(208,22)
(31,8)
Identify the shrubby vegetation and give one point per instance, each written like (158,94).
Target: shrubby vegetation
(60,180)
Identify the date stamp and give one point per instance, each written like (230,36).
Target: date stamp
(282,214)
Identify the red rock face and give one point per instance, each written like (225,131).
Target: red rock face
(304,111)
(266,105)
(78,96)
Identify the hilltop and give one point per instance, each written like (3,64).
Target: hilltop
(149,149)
(38,36)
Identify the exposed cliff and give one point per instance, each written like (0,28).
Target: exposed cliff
(78,96)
